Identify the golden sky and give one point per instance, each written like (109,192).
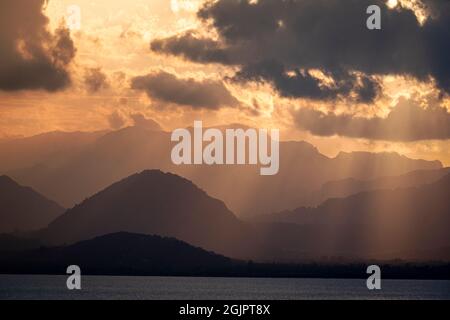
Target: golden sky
(114,39)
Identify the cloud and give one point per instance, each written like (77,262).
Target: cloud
(406,122)
(301,83)
(116,120)
(95,80)
(139,120)
(281,41)
(31,57)
(166,87)
(193,48)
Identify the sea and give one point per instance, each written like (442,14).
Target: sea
(42,287)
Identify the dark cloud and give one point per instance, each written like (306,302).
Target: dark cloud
(95,80)
(269,38)
(193,48)
(406,122)
(301,83)
(30,56)
(167,87)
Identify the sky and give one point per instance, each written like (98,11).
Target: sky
(309,68)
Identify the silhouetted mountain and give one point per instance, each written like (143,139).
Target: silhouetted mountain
(107,159)
(136,254)
(347,187)
(371,165)
(303,170)
(23,209)
(52,149)
(118,253)
(400,223)
(152,202)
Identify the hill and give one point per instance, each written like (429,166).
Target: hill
(152,202)
(23,209)
(118,253)
(130,254)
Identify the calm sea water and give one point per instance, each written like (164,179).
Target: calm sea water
(106,287)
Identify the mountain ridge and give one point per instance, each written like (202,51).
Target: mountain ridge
(378,223)
(23,209)
(117,154)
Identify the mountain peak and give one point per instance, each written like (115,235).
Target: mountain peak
(149,182)
(150,202)
(156,174)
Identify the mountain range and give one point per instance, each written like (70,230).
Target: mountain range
(92,162)
(404,223)
(347,187)
(408,223)
(354,206)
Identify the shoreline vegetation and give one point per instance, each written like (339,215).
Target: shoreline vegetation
(127,254)
(278,271)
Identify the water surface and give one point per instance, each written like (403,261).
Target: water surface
(153,288)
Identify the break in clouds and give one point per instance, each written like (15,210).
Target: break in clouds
(281,42)
(31,57)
